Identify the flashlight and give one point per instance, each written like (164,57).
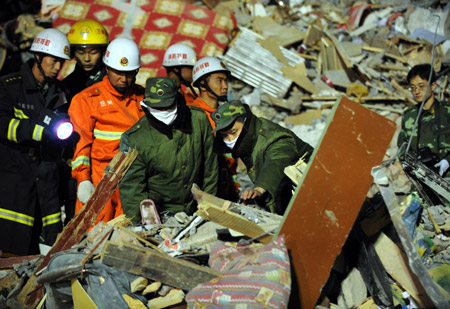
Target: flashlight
(63,129)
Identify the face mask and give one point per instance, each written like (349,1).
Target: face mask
(230,144)
(167,117)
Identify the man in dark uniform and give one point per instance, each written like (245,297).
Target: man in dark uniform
(29,181)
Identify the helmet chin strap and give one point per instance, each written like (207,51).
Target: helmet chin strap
(221,98)
(47,79)
(183,81)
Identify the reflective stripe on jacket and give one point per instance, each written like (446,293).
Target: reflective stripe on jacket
(100,115)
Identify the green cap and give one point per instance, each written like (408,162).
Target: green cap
(227,113)
(160,92)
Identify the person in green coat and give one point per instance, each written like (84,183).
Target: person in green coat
(175,150)
(431,139)
(265,148)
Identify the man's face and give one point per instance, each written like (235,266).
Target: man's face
(121,79)
(186,73)
(218,83)
(51,65)
(233,132)
(88,57)
(418,87)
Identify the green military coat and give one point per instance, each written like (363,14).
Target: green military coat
(266,148)
(427,133)
(170,160)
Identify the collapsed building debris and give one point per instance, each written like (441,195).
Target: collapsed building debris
(318,53)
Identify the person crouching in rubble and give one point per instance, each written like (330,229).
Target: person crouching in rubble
(175,150)
(431,142)
(211,76)
(265,148)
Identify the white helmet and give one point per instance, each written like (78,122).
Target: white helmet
(52,42)
(207,65)
(122,54)
(179,54)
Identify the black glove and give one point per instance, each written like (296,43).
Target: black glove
(47,117)
(49,120)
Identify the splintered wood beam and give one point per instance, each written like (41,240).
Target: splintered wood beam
(232,221)
(74,231)
(156,266)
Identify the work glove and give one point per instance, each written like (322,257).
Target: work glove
(85,190)
(443,166)
(46,117)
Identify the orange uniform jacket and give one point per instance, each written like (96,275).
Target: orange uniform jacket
(189,97)
(100,115)
(198,102)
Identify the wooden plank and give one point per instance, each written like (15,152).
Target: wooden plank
(396,264)
(340,50)
(313,35)
(297,74)
(327,202)
(9,262)
(74,231)
(156,266)
(305,117)
(81,299)
(232,221)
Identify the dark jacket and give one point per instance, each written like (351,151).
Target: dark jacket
(79,79)
(29,184)
(170,160)
(266,149)
(21,104)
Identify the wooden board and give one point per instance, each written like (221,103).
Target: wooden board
(396,264)
(156,266)
(232,221)
(74,231)
(322,213)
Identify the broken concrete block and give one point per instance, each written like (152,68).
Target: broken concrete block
(133,302)
(353,290)
(151,288)
(174,297)
(138,284)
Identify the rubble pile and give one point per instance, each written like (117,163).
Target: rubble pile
(291,62)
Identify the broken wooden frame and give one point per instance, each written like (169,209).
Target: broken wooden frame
(331,193)
(74,231)
(156,266)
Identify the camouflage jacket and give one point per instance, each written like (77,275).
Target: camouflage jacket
(426,134)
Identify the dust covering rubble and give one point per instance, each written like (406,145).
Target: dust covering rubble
(303,57)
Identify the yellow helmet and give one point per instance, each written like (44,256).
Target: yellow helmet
(87,33)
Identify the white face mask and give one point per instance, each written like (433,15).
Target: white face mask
(230,144)
(167,117)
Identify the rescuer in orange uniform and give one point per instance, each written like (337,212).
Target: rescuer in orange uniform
(179,59)
(100,114)
(211,77)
